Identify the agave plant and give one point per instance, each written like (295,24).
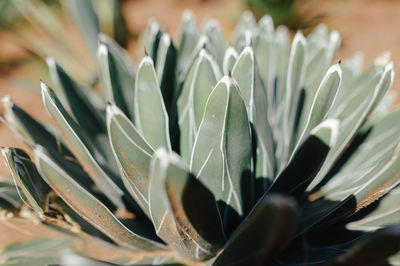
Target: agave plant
(260,153)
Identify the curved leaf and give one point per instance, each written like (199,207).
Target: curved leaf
(169,181)
(386,213)
(221,156)
(9,197)
(82,109)
(265,233)
(376,175)
(306,160)
(26,253)
(188,43)
(29,130)
(353,116)
(27,177)
(373,249)
(132,153)
(230,58)
(81,145)
(151,38)
(116,73)
(165,70)
(212,29)
(294,85)
(151,117)
(201,79)
(245,72)
(323,100)
(87,206)
(244,31)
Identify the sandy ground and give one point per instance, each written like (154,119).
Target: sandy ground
(368,26)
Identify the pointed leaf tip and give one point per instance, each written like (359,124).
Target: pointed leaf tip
(332,125)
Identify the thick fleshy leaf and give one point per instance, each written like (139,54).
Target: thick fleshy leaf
(294,87)
(188,43)
(265,233)
(221,157)
(351,69)
(41,198)
(69,258)
(265,26)
(374,163)
(322,47)
(33,133)
(132,153)
(244,31)
(212,30)
(230,58)
(29,130)
(62,217)
(306,160)
(373,249)
(119,29)
(35,252)
(281,51)
(9,197)
(323,100)
(198,85)
(87,206)
(151,118)
(353,116)
(165,70)
(83,110)
(189,222)
(27,177)
(385,83)
(296,71)
(86,19)
(266,56)
(386,213)
(151,38)
(82,147)
(317,65)
(117,74)
(245,72)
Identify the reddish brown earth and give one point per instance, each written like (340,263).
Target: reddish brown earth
(368,26)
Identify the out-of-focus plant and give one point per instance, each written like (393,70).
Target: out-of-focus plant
(296,14)
(58,29)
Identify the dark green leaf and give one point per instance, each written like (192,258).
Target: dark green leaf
(117,74)
(169,177)
(30,130)
(265,233)
(87,206)
(373,249)
(82,109)
(83,147)
(307,160)
(27,177)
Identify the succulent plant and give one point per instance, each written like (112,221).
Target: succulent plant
(260,153)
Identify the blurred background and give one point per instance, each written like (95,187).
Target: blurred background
(30,30)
